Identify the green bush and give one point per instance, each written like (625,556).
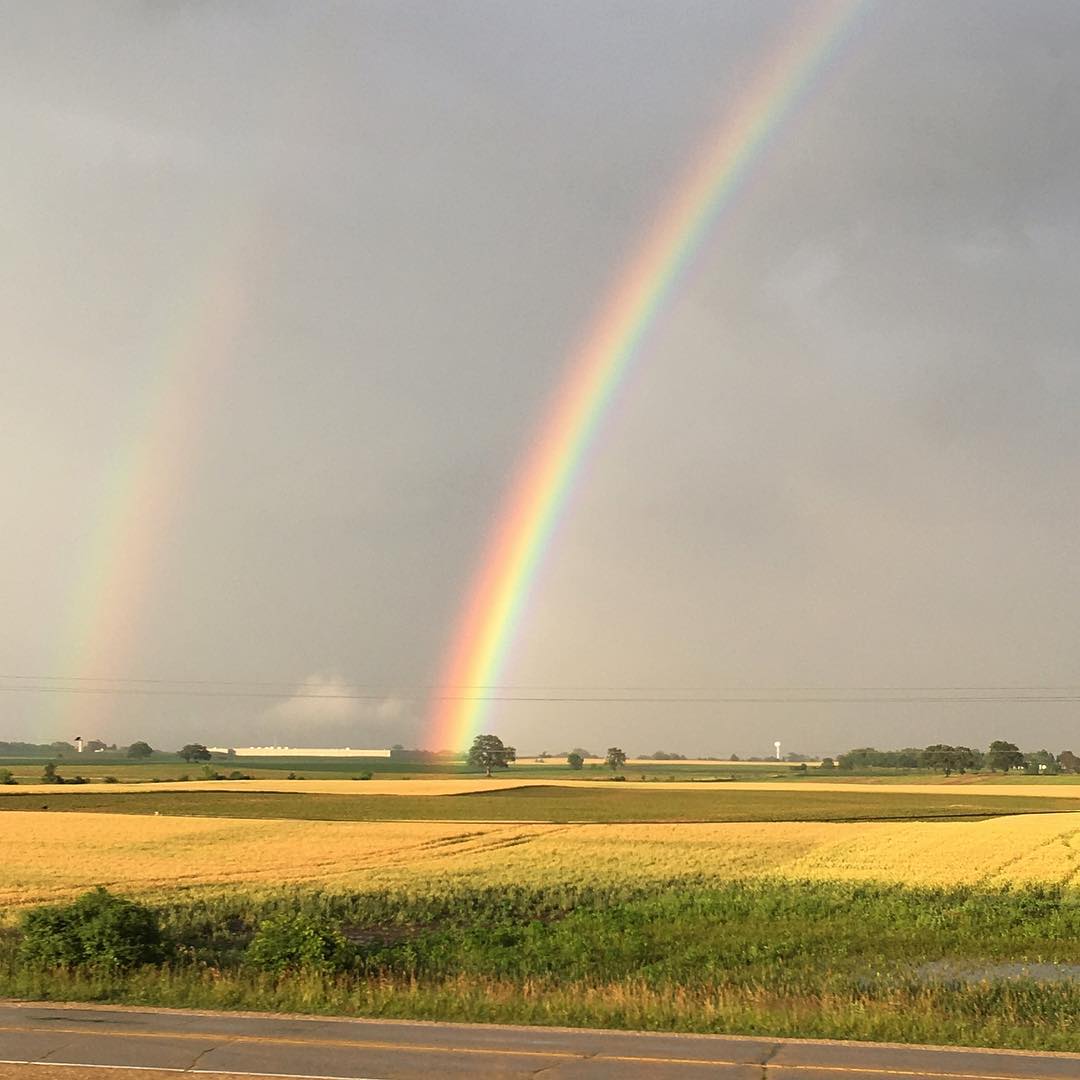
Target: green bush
(294,941)
(98,930)
(6,776)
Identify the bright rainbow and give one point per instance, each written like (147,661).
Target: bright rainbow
(495,603)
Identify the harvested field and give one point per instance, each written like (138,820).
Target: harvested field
(48,856)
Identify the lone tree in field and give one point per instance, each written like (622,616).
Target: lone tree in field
(488,752)
(194,752)
(139,750)
(574,760)
(616,758)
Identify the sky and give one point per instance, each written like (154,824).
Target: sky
(285,291)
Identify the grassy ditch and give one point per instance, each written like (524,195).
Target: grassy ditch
(799,959)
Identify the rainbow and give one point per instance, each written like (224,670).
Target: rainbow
(148,474)
(496,600)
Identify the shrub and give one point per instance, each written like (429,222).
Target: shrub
(110,780)
(98,930)
(291,942)
(6,776)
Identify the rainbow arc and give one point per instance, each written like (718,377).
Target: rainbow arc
(495,603)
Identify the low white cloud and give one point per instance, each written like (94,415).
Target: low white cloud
(325,708)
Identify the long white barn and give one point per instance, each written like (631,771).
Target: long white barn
(298,751)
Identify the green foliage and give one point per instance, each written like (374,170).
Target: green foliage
(827,960)
(489,752)
(139,750)
(194,752)
(1004,756)
(574,760)
(98,930)
(869,758)
(296,942)
(616,758)
(578,802)
(7,776)
(49,775)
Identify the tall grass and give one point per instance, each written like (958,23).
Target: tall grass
(778,958)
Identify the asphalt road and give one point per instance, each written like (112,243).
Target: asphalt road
(76,1042)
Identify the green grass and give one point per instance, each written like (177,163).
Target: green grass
(797,959)
(551,804)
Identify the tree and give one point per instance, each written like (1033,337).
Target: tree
(140,750)
(94,745)
(49,775)
(194,752)
(1041,763)
(574,760)
(488,752)
(1004,756)
(827,764)
(616,758)
(940,757)
(1069,762)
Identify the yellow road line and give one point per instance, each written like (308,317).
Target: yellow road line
(275,1040)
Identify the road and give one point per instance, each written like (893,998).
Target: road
(40,1041)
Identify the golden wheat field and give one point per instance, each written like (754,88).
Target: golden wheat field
(49,856)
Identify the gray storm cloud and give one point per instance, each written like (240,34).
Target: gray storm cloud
(846,458)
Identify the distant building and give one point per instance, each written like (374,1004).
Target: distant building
(297,751)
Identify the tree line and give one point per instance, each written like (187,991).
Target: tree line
(1001,757)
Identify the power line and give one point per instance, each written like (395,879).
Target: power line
(1051,696)
(351,689)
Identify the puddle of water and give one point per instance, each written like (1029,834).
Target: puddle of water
(955,971)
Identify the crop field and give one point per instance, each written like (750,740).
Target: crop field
(544,803)
(49,856)
(842,910)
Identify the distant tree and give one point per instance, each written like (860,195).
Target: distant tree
(869,758)
(7,776)
(94,745)
(49,775)
(194,752)
(827,764)
(1041,763)
(1068,762)
(734,757)
(140,750)
(582,751)
(1004,756)
(574,760)
(941,758)
(616,758)
(489,752)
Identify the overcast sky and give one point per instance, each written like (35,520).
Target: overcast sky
(285,288)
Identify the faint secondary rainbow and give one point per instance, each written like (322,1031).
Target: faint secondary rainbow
(496,600)
(143,489)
